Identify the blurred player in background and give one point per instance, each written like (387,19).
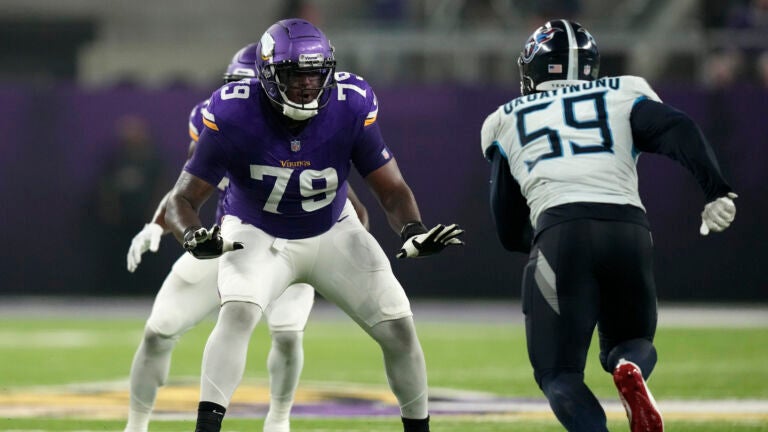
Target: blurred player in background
(189,294)
(287,142)
(564,188)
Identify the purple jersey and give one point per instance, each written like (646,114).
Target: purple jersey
(289,185)
(195,128)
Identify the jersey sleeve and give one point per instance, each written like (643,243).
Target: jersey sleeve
(196,120)
(370,152)
(488,135)
(510,210)
(639,87)
(659,128)
(210,159)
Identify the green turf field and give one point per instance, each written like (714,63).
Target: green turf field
(40,356)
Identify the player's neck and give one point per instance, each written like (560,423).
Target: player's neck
(295,126)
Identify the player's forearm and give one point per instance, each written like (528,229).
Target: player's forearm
(362,212)
(180,215)
(401,208)
(159,217)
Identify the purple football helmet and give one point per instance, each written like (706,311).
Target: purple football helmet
(295,65)
(243,64)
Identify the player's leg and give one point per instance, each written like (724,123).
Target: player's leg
(187,295)
(627,322)
(249,279)
(287,317)
(353,272)
(560,304)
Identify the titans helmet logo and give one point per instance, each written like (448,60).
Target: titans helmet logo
(540,37)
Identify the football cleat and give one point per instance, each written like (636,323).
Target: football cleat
(642,412)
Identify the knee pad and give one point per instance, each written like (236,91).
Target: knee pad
(240,315)
(155,341)
(639,351)
(399,333)
(287,341)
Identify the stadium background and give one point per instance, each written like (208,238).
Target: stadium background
(75,75)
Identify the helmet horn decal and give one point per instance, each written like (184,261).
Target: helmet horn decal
(267,47)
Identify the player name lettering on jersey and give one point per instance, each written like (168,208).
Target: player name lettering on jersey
(613,83)
(571,144)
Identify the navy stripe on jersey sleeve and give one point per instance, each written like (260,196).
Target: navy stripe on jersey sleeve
(659,128)
(370,152)
(209,161)
(509,208)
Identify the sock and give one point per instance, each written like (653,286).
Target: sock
(209,417)
(404,365)
(574,405)
(225,353)
(416,425)
(138,421)
(284,362)
(639,351)
(149,371)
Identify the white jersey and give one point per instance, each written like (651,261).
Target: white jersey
(572,144)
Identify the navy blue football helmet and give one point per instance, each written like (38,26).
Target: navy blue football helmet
(558,54)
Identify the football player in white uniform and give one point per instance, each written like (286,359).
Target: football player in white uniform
(189,294)
(564,189)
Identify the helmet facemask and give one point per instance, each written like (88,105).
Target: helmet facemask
(301,92)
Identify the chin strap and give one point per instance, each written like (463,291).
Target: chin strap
(294,112)
(298,114)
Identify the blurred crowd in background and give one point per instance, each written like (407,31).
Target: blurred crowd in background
(106,87)
(183,43)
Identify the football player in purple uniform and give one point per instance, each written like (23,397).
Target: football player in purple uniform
(564,189)
(287,142)
(189,294)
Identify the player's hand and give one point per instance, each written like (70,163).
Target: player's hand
(207,244)
(430,242)
(148,239)
(718,214)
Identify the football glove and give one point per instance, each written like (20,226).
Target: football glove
(207,244)
(718,214)
(148,239)
(418,242)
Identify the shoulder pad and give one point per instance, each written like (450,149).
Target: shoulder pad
(489,132)
(640,86)
(196,120)
(227,101)
(358,95)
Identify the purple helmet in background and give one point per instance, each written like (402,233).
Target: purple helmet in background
(292,50)
(243,64)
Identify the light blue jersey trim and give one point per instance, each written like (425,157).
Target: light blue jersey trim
(635,151)
(497,145)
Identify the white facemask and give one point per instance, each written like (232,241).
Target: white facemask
(297,112)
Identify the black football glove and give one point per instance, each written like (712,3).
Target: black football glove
(205,244)
(418,242)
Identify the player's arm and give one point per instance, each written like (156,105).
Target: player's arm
(148,239)
(394,195)
(659,128)
(508,206)
(184,202)
(397,200)
(195,185)
(360,209)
